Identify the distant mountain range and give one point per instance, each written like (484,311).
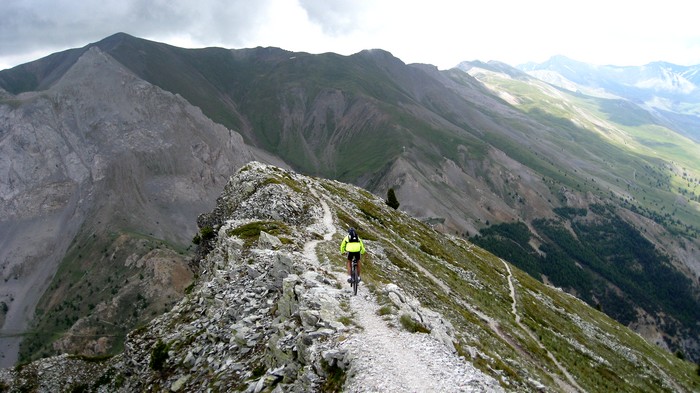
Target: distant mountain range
(670,91)
(108,154)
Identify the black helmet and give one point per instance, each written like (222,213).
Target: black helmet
(351,230)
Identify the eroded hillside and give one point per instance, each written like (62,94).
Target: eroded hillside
(103,176)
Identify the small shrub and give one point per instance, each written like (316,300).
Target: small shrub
(207,233)
(79,388)
(385,310)
(345,320)
(412,326)
(426,249)
(398,262)
(105,379)
(252,230)
(91,359)
(259,370)
(391,200)
(335,378)
(159,354)
(460,350)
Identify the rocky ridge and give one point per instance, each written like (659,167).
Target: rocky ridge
(267,314)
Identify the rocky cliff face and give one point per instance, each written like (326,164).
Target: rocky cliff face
(94,160)
(271,311)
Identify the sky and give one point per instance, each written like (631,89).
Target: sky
(439,32)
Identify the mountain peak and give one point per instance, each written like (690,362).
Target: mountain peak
(380,56)
(119,36)
(658,85)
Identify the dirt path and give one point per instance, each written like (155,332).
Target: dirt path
(390,359)
(570,384)
(386,358)
(326,227)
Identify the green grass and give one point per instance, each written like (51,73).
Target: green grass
(412,325)
(252,230)
(159,355)
(385,310)
(335,378)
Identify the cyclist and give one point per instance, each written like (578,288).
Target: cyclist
(352,244)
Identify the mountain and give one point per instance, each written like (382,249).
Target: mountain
(483,151)
(102,171)
(670,91)
(554,248)
(631,82)
(271,311)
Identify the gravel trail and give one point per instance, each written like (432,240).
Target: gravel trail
(387,358)
(390,359)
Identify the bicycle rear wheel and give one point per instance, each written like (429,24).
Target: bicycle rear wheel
(354,278)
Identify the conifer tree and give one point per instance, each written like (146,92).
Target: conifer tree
(391,199)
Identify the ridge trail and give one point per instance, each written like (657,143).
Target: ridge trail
(387,358)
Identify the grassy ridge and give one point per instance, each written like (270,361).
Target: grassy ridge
(599,353)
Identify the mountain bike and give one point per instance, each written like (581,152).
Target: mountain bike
(353,275)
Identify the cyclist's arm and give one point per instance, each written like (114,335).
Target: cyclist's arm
(362,247)
(342,245)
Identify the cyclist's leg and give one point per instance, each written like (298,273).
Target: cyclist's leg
(349,264)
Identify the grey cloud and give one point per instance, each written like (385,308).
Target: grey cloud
(30,25)
(229,21)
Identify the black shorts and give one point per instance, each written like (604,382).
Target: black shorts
(353,254)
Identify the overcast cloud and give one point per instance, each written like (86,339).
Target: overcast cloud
(440,32)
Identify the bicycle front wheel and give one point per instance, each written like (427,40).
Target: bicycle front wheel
(354,280)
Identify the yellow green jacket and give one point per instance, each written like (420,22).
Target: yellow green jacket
(346,246)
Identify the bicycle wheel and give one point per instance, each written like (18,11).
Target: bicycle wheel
(354,278)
